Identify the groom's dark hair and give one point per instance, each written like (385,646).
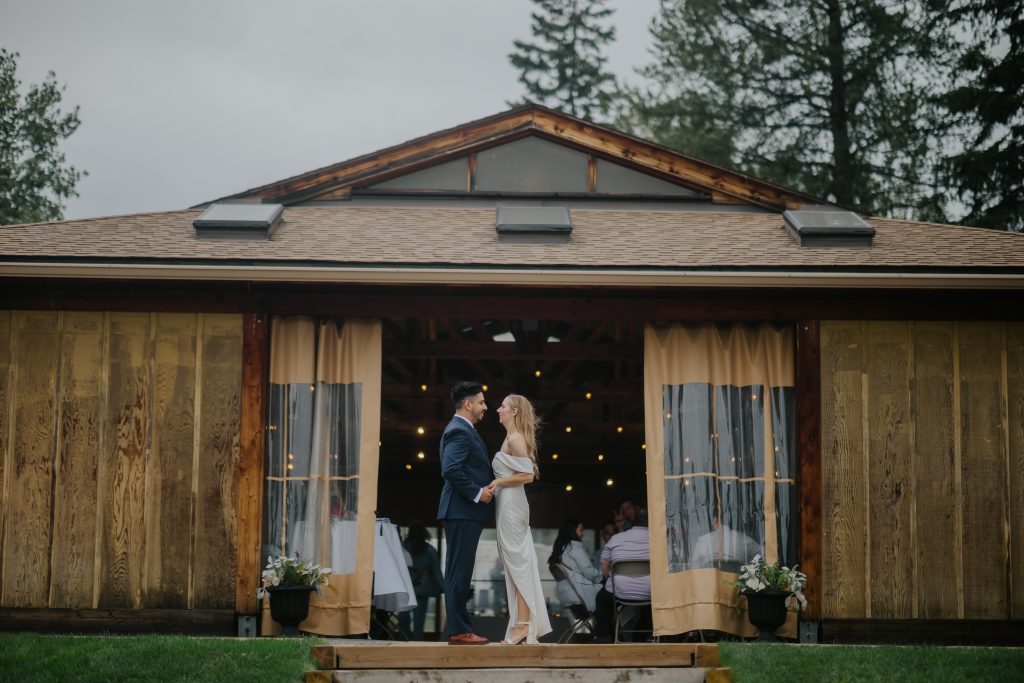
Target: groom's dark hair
(464,390)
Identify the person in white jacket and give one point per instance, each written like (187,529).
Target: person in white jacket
(569,551)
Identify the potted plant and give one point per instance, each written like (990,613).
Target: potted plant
(769,590)
(288,581)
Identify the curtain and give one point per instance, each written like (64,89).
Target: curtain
(322,449)
(720,427)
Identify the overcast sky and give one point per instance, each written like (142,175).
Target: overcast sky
(187,100)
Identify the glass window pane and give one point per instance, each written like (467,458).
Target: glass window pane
(689,509)
(299,429)
(344,406)
(298,533)
(687,426)
(276,399)
(739,426)
(531,165)
(785,504)
(273,497)
(743,512)
(784,431)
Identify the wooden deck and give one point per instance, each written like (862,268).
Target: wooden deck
(355,654)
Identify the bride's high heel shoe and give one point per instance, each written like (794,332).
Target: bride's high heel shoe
(519,639)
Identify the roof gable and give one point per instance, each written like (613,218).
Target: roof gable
(529,150)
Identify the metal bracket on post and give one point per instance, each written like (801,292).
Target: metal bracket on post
(808,631)
(246,626)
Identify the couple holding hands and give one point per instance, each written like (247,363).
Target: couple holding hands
(472,482)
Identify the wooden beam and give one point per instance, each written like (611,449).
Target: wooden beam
(420,655)
(808,427)
(63,620)
(479,303)
(251,459)
(468,350)
(939,631)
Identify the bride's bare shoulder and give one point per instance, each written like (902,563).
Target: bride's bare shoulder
(516,445)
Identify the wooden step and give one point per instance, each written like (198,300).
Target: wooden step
(522,675)
(369,654)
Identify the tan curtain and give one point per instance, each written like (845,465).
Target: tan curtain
(322,454)
(720,461)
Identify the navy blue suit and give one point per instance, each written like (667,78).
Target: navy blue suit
(466,469)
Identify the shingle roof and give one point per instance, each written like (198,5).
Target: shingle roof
(466,237)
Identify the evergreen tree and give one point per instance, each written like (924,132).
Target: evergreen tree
(35,179)
(833,98)
(564,67)
(988,175)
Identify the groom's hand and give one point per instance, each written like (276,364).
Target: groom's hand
(487,494)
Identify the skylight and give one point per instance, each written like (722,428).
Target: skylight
(238,221)
(827,227)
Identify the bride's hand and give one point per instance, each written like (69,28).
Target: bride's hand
(495,485)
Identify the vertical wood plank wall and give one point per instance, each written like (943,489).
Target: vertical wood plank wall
(922,431)
(119,443)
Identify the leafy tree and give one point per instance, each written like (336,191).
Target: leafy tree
(564,67)
(988,175)
(35,179)
(835,98)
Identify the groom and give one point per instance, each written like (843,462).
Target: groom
(465,505)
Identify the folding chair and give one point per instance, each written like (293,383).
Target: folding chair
(583,617)
(628,568)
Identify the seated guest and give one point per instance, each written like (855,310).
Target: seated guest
(632,544)
(569,552)
(607,531)
(724,547)
(626,513)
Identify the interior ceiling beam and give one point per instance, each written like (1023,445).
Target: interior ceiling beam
(468,350)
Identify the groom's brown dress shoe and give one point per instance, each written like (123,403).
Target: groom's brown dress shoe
(466,639)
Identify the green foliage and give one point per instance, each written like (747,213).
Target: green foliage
(564,67)
(778,663)
(988,105)
(35,179)
(33,658)
(836,99)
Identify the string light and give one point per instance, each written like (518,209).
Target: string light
(420,431)
(421,455)
(536,373)
(408,466)
(554,456)
(643,446)
(291,466)
(568,429)
(619,429)
(589,395)
(610,482)
(485,387)
(568,487)
(312,387)
(423,387)
(600,457)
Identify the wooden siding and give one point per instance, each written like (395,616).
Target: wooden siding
(922,451)
(119,439)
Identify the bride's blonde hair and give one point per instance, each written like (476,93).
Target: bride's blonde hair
(525,421)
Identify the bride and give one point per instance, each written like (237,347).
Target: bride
(515,465)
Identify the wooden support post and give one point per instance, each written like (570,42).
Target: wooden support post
(808,426)
(251,458)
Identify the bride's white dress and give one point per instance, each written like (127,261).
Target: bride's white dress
(515,548)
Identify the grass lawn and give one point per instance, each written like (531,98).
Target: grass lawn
(28,657)
(780,663)
(35,658)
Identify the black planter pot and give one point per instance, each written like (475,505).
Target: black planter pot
(289,605)
(767,611)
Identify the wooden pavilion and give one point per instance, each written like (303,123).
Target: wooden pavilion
(143,398)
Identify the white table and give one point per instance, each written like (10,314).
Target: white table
(392,585)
